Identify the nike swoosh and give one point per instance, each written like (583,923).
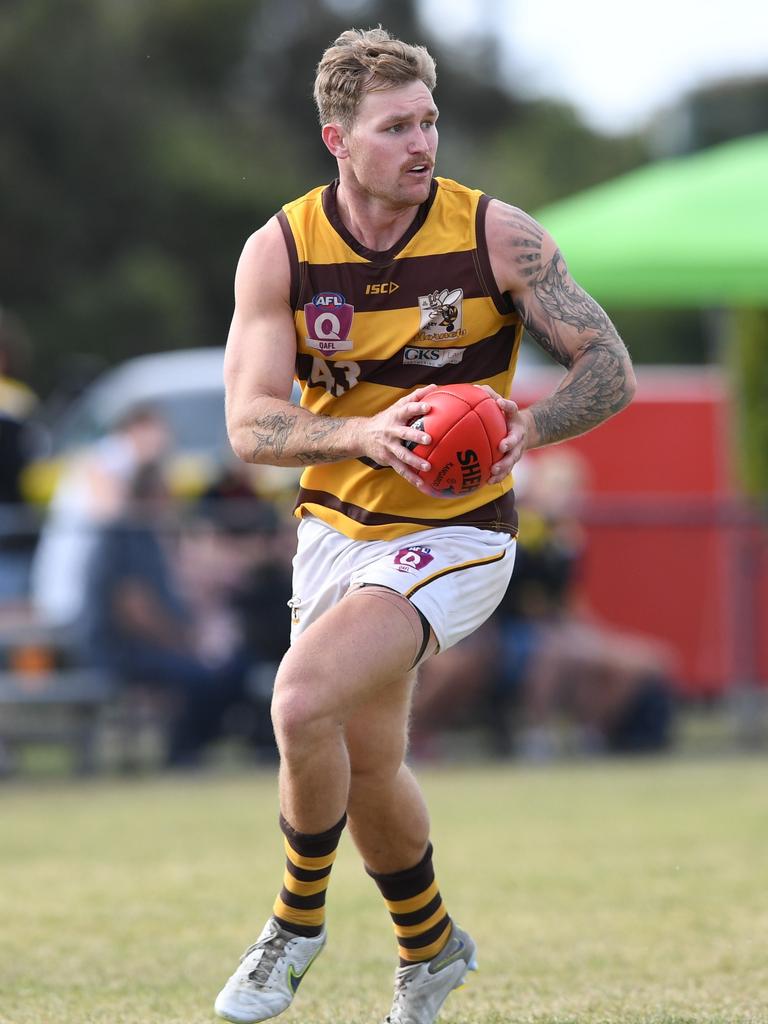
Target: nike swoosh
(294,979)
(456,955)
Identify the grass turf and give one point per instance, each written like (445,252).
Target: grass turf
(598,893)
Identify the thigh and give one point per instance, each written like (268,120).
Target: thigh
(357,651)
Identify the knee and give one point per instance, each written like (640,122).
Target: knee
(292,716)
(296,714)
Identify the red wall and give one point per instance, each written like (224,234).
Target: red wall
(660,557)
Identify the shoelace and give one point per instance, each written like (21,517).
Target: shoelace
(272,949)
(401,984)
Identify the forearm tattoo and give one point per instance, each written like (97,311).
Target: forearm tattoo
(271,433)
(597,384)
(595,388)
(321,443)
(278,433)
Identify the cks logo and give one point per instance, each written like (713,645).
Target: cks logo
(329,319)
(417,355)
(413,559)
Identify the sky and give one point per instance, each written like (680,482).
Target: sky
(617,63)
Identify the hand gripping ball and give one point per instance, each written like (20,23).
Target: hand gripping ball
(466,426)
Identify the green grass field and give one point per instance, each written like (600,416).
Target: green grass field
(598,893)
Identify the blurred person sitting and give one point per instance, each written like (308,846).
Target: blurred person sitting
(543,659)
(138,625)
(239,581)
(92,492)
(17,403)
(556,660)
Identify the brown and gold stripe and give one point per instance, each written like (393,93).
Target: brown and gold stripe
(421,922)
(498,515)
(300,906)
(478,361)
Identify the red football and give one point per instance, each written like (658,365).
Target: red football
(466,426)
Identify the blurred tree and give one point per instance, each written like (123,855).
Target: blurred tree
(141,143)
(713,114)
(746,350)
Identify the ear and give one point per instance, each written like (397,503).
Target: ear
(334,138)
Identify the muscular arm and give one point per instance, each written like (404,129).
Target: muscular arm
(277,436)
(262,424)
(567,323)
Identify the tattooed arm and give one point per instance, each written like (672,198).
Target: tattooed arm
(567,323)
(262,424)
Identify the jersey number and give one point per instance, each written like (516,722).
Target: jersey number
(336,377)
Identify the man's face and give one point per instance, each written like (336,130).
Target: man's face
(392,145)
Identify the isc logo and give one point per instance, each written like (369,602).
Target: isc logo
(385,288)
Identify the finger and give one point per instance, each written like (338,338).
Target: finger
(413,410)
(431,492)
(514,439)
(404,453)
(417,395)
(509,408)
(500,470)
(410,459)
(406,473)
(413,436)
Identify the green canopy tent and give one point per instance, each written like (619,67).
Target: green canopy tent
(688,232)
(692,231)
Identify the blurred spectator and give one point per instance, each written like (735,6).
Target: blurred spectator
(557,662)
(138,625)
(17,402)
(235,502)
(543,660)
(239,581)
(264,592)
(92,492)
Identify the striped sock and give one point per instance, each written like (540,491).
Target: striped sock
(300,907)
(422,924)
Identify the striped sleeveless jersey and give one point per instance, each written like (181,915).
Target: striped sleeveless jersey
(373,326)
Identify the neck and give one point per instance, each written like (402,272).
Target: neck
(374,222)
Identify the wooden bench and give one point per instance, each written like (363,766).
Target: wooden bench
(61,706)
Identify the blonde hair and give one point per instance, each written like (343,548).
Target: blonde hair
(361,61)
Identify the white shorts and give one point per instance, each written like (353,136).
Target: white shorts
(454,575)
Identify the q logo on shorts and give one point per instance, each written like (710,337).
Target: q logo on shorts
(413,559)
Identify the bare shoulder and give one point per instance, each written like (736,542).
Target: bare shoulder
(261,345)
(518,246)
(264,271)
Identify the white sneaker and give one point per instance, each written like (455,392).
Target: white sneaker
(421,989)
(269,975)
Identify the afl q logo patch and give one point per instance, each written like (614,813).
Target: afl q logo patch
(413,559)
(329,320)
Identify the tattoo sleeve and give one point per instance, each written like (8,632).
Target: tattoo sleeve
(289,439)
(322,443)
(571,327)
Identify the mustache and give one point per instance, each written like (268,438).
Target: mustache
(426,162)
